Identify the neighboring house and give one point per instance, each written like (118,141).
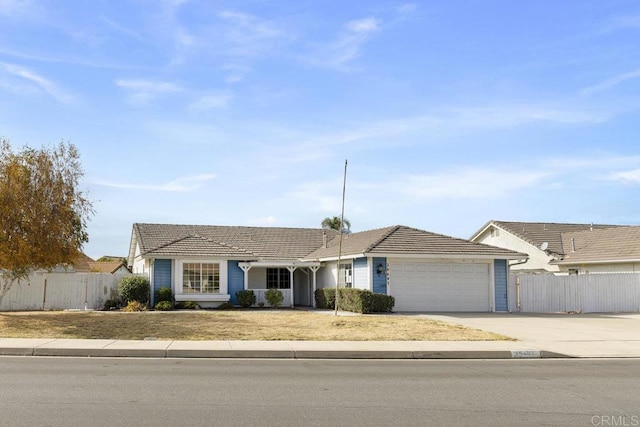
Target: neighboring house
(80,265)
(548,246)
(108,267)
(424,271)
(611,250)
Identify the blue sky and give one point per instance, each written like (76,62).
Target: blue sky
(243,113)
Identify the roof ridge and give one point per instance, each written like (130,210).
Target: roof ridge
(392,229)
(195,226)
(164,245)
(208,239)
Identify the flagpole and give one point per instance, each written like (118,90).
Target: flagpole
(344,188)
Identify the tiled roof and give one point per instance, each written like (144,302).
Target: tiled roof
(104,266)
(536,233)
(81,264)
(228,241)
(404,240)
(607,245)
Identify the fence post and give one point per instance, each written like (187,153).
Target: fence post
(44,294)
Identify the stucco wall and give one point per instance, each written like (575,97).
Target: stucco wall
(538,260)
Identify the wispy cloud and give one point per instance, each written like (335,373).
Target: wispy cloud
(121,29)
(16,8)
(627,177)
(248,35)
(38,81)
(611,82)
(184,184)
(143,91)
(348,46)
(212,102)
(467,183)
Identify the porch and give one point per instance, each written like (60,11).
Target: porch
(296,280)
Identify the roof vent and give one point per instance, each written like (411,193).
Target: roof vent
(324,239)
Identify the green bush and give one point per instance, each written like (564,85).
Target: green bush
(164,306)
(382,303)
(246,298)
(134,288)
(354,300)
(187,305)
(164,294)
(135,306)
(274,297)
(111,304)
(226,306)
(325,298)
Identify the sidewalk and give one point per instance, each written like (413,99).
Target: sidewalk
(273,349)
(603,335)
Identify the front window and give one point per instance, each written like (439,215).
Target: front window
(278,278)
(200,278)
(345,275)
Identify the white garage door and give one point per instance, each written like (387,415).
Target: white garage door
(424,286)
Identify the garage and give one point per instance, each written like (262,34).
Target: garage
(418,285)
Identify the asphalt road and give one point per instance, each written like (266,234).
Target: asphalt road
(99,392)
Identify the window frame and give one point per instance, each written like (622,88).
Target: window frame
(178,285)
(345,280)
(282,281)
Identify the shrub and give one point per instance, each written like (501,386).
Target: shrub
(111,304)
(246,298)
(354,300)
(382,303)
(187,305)
(164,294)
(135,306)
(164,306)
(226,306)
(274,297)
(325,298)
(261,304)
(134,288)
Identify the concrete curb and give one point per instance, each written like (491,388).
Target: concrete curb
(274,349)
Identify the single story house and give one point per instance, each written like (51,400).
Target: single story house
(565,248)
(424,271)
(610,250)
(112,267)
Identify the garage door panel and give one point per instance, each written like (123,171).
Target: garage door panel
(424,286)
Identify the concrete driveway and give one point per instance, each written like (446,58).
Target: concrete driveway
(580,335)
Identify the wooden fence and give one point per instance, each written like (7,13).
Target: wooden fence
(587,293)
(62,291)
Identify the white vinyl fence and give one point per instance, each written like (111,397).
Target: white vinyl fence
(62,291)
(587,293)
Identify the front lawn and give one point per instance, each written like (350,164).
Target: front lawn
(233,325)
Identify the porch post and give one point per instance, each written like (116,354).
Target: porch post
(314,269)
(291,269)
(245,268)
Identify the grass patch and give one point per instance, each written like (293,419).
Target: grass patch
(234,325)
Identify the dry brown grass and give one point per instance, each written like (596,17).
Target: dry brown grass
(233,325)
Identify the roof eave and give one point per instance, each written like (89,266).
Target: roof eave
(482,230)
(608,261)
(514,256)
